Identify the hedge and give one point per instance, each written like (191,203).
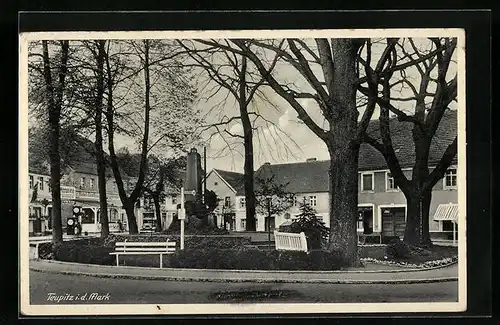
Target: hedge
(189,241)
(86,254)
(205,258)
(255,259)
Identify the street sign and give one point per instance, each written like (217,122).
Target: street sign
(181,214)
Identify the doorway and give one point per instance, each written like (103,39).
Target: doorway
(393,221)
(270,222)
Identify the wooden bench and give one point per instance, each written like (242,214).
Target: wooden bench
(144,248)
(290,241)
(35,248)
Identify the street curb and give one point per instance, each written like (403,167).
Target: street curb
(260,271)
(207,279)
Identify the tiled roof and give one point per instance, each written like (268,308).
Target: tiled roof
(301,177)
(236,180)
(401,135)
(312,176)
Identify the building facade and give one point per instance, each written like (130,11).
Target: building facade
(381,204)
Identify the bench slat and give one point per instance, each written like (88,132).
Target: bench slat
(140,249)
(171,244)
(140,253)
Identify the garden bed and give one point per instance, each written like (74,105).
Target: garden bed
(398,254)
(229,252)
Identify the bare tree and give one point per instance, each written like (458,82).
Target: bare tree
(329,69)
(434,81)
(54,92)
(230,70)
(99,55)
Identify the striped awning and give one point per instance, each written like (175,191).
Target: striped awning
(447,212)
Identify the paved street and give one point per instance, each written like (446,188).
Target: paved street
(122,291)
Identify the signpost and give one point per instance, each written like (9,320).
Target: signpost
(181,213)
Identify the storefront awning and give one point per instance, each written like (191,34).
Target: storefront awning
(446,212)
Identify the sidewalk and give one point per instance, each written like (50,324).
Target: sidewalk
(449,273)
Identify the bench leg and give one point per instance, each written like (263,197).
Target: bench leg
(161,260)
(117,260)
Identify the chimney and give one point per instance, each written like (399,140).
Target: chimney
(310,159)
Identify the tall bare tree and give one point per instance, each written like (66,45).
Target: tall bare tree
(429,93)
(99,151)
(329,68)
(230,70)
(54,91)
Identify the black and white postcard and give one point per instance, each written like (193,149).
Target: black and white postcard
(242,172)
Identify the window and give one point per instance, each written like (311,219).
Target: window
(92,183)
(390,184)
(243,224)
(82,182)
(242,202)
(367,182)
(31,181)
(49,186)
(312,201)
(40,183)
(227,201)
(174,199)
(450,178)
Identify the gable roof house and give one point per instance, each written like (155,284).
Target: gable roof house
(79,186)
(229,188)
(382,205)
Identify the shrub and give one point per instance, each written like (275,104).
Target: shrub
(398,250)
(45,251)
(193,241)
(322,260)
(255,259)
(314,229)
(87,254)
(390,239)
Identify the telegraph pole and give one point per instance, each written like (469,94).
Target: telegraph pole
(204,174)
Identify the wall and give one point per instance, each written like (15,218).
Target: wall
(382,197)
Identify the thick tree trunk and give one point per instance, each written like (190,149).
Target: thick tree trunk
(249,179)
(54,97)
(343,147)
(132,221)
(101,164)
(55,181)
(417,219)
(413,227)
(156,200)
(343,202)
(418,198)
(426,205)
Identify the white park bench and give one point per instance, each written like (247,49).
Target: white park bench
(290,241)
(35,248)
(143,248)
